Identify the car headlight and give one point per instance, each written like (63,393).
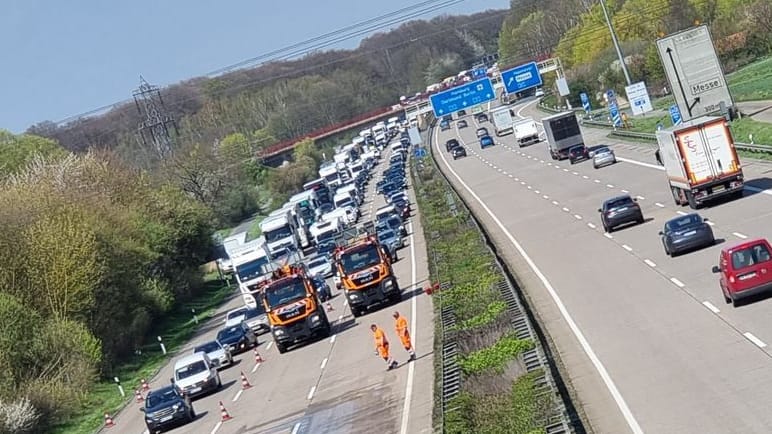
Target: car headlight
(388,284)
(278,331)
(176,407)
(315,318)
(354,294)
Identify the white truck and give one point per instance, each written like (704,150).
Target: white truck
(502,121)
(251,267)
(563,132)
(329,172)
(280,230)
(526,132)
(700,160)
(326,229)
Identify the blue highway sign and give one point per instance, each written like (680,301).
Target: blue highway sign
(585,102)
(675,114)
(521,77)
(479,73)
(419,152)
(613,109)
(462,97)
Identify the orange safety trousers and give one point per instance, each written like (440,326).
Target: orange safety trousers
(381,343)
(403,333)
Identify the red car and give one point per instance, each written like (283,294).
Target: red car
(745,270)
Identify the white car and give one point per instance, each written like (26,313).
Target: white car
(219,355)
(235,316)
(320,265)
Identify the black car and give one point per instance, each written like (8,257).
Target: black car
(461,113)
(482,117)
(618,211)
(166,408)
(578,153)
(321,287)
(685,233)
(394,223)
(239,338)
(326,247)
(458,153)
(450,144)
(462,124)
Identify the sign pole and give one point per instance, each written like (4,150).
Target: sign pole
(678,78)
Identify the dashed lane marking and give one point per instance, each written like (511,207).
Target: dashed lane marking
(257,365)
(710,306)
(626,247)
(609,186)
(216,427)
(608,235)
(577,216)
(659,204)
(238,395)
(268,347)
(296,428)
(591,226)
(311,393)
(650,263)
(585,177)
(554,202)
(332,339)
(681,213)
(639,197)
(739,235)
(677,282)
(756,341)
(324,363)
(545,196)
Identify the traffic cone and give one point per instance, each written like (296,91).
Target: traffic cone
(224,416)
(145,386)
(138,395)
(109,421)
(329,307)
(244,382)
(258,357)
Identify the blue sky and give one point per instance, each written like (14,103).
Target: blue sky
(68,57)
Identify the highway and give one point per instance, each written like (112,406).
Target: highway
(647,341)
(336,385)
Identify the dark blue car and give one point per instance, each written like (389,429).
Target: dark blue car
(486,141)
(165,408)
(686,233)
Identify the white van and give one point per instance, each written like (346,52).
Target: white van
(196,375)
(332,224)
(348,214)
(351,190)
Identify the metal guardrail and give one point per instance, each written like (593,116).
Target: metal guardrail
(748,147)
(561,420)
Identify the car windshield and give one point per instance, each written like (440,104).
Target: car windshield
(229,333)
(486,139)
(576,149)
(160,396)
(619,203)
(319,262)
(254,312)
(360,259)
(750,256)
(191,370)
(385,235)
(278,234)
(207,347)
(252,269)
(237,313)
(285,292)
(603,150)
(451,142)
(482,132)
(683,222)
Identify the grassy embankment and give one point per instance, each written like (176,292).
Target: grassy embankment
(497,396)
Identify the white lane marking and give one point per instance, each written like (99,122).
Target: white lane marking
(756,341)
(530,188)
(577,216)
(625,191)
(413,320)
(345,303)
(626,247)
(641,163)
(504,172)
(710,306)
(640,197)
(575,173)
(608,235)
(216,427)
(681,213)
(536,191)
(594,359)
(609,186)
(739,235)
(268,347)
(597,181)
(517,179)
(650,263)
(554,202)
(510,175)
(566,209)
(591,226)
(541,161)
(296,428)
(238,395)
(710,223)
(585,177)
(659,204)
(545,196)
(549,164)
(324,363)
(257,365)
(565,170)
(332,339)
(677,282)
(522,182)
(311,393)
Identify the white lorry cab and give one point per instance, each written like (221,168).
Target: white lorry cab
(502,121)
(356,168)
(326,228)
(251,268)
(329,172)
(344,199)
(348,214)
(352,190)
(280,231)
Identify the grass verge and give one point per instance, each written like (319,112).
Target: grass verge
(495,385)
(176,328)
(752,82)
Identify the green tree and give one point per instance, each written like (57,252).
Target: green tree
(17,151)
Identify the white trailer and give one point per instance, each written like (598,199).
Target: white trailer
(526,132)
(280,231)
(502,121)
(251,267)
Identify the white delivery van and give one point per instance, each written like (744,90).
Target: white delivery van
(196,375)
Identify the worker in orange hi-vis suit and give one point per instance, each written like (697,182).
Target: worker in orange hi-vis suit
(382,347)
(400,324)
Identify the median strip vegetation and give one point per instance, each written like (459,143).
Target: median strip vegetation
(497,395)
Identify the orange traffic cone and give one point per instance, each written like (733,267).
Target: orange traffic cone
(138,395)
(109,421)
(258,358)
(145,386)
(244,382)
(224,416)
(329,307)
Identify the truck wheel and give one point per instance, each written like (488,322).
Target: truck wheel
(676,196)
(691,200)
(281,348)
(396,298)
(356,312)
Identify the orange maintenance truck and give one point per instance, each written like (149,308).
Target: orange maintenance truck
(365,274)
(293,307)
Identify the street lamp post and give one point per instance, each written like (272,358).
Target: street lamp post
(616,43)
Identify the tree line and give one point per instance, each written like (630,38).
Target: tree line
(577,33)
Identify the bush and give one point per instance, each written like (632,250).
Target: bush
(19,417)
(494,358)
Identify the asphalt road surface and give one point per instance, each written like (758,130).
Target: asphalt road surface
(648,342)
(336,385)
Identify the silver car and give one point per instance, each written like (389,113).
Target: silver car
(603,156)
(320,265)
(257,320)
(219,355)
